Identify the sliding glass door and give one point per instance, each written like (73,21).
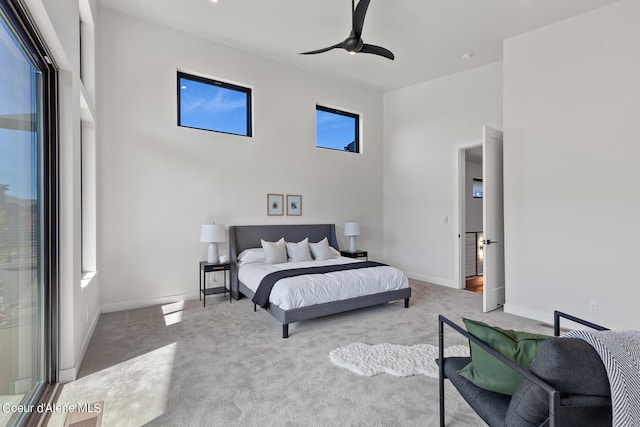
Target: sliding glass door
(27,218)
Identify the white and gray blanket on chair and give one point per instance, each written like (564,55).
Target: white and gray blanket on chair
(620,354)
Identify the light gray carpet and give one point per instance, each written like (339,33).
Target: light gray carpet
(224,365)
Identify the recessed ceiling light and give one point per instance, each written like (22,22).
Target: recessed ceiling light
(467,55)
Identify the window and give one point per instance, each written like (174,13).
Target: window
(88,217)
(213,105)
(88,233)
(477,188)
(28,214)
(337,130)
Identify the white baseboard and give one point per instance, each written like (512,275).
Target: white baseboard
(431,279)
(547,317)
(71,374)
(130,305)
(541,316)
(67,375)
(23,385)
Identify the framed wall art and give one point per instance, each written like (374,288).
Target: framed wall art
(294,204)
(275,204)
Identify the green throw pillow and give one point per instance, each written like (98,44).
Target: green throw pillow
(488,372)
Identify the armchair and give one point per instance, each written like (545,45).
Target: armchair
(566,383)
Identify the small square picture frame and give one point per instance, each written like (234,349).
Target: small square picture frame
(294,204)
(275,204)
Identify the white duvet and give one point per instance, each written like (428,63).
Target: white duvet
(311,289)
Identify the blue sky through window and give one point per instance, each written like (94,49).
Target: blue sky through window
(335,131)
(211,107)
(18,139)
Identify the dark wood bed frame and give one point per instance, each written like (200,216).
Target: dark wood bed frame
(243,237)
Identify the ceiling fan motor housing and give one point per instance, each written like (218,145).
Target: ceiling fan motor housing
(353,44)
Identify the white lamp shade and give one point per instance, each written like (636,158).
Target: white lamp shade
(212,233)
(352,228)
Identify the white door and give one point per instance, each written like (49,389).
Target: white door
(493,220)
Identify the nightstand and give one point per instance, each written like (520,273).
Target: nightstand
(208,267)
(357,254)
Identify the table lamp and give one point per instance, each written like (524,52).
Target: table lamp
(212,234)
(352,229)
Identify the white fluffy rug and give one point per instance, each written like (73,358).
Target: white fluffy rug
(399,360)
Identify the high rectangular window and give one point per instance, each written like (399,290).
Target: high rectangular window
(213,105)
(337,130)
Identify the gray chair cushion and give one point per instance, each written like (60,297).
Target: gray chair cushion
(490,406)
(573,367)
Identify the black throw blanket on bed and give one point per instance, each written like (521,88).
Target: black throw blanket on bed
(261,297)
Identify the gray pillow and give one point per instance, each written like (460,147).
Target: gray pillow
(572,366)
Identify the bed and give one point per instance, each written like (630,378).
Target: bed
(371,290)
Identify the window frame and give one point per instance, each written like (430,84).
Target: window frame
(48,227)
(340,112)
(218,83)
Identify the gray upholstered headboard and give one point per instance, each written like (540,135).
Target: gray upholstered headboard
(243,237)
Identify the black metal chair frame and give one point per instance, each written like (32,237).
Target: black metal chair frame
(554,395)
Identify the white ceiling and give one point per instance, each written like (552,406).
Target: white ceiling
(428,37)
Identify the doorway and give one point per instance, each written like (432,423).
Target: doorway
(472,217)
(481,237)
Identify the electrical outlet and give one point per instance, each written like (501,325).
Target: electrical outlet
(593,306)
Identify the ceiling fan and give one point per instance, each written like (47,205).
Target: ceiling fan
(354,44)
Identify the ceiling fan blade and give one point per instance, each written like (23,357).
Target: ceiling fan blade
(358,17)
(326,49)
(377,50)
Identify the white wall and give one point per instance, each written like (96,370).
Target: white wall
(157,182)
(423,126)
(570,95)
(572,102)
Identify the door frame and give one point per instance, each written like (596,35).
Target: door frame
(460,208)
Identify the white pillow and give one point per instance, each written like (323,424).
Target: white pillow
(251,255)
(321,250)
(299,251)
(274,252)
